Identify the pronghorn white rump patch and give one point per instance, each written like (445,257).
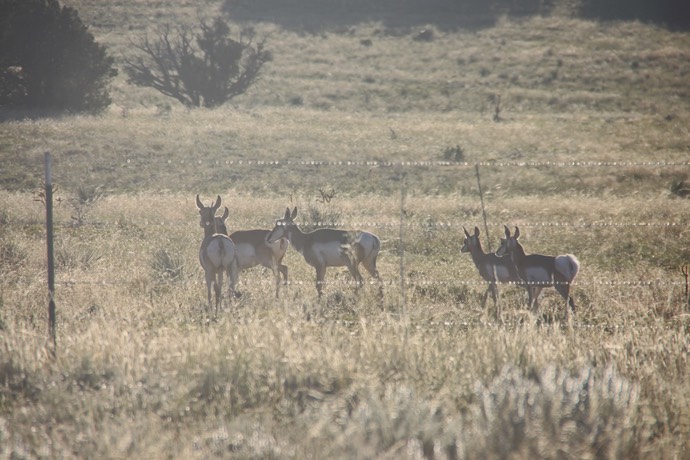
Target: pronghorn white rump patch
(220,251)
(568,266)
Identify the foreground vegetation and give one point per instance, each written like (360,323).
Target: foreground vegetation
(423,371)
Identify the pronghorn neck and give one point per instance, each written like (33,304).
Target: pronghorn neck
(517,253)
(209,230)
(297,237)
(477,253)
(213,227)
(220,226)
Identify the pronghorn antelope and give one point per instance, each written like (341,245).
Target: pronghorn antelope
(217,254)
(538,271)
(253,249)
(491,267)
(328,247)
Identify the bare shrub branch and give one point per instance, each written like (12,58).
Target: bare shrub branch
(202,68)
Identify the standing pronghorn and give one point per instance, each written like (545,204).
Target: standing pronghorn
(539,271)
(329,247)
(491,267)
(217,254)
(253,249)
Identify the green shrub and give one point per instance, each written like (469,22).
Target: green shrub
(49,60)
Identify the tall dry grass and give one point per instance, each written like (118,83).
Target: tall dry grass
(140,373)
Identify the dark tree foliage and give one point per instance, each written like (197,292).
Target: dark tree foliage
(446,14)
(671,13)
(49,60)
(203,68)
(313,15)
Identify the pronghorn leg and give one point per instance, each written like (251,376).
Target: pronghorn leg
(233,279)
(276,276)
(563,288)
(354,271)
(320,276)
(219,291)
(485,297)
(532,297)
(210,287)
(493,288)
(284,270)
(370,266)
(534,302)
(494,292)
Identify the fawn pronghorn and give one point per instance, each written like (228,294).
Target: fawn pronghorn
(253,249)
(491,267)
(538,271)
(217,254)
(329,247)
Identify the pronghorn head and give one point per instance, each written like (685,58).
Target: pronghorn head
(471,241)
(509,243)
(283,226)
(207,214)
(219,221)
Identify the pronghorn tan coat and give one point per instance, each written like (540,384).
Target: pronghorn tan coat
(329,247)
(253,249)
(217,254)
(491,268)
(538,271)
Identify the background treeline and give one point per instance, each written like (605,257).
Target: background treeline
(314,14)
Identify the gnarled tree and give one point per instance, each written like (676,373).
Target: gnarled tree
(203,68)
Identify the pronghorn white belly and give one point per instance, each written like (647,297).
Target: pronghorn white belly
(329,254)
(538,274)
(501,273)
(246,255)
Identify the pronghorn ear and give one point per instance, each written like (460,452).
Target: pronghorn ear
(217,204)
(517,233)
(287,213)
(465,230)
(225,214)
(199,204)
(507,231)
(294,213)
(476,231)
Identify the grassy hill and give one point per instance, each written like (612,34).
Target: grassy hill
(580,133)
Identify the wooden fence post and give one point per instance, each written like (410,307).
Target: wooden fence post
(51,261)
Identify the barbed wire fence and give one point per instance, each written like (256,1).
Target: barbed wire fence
(402,168)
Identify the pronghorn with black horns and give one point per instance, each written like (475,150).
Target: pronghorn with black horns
(329,247)
(253,249)
(491,268)
(217,254)
(538,271)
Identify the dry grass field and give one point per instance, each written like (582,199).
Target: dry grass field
(591,138)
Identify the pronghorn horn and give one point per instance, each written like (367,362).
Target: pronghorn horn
(199,204)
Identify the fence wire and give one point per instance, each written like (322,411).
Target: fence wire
(408,164)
